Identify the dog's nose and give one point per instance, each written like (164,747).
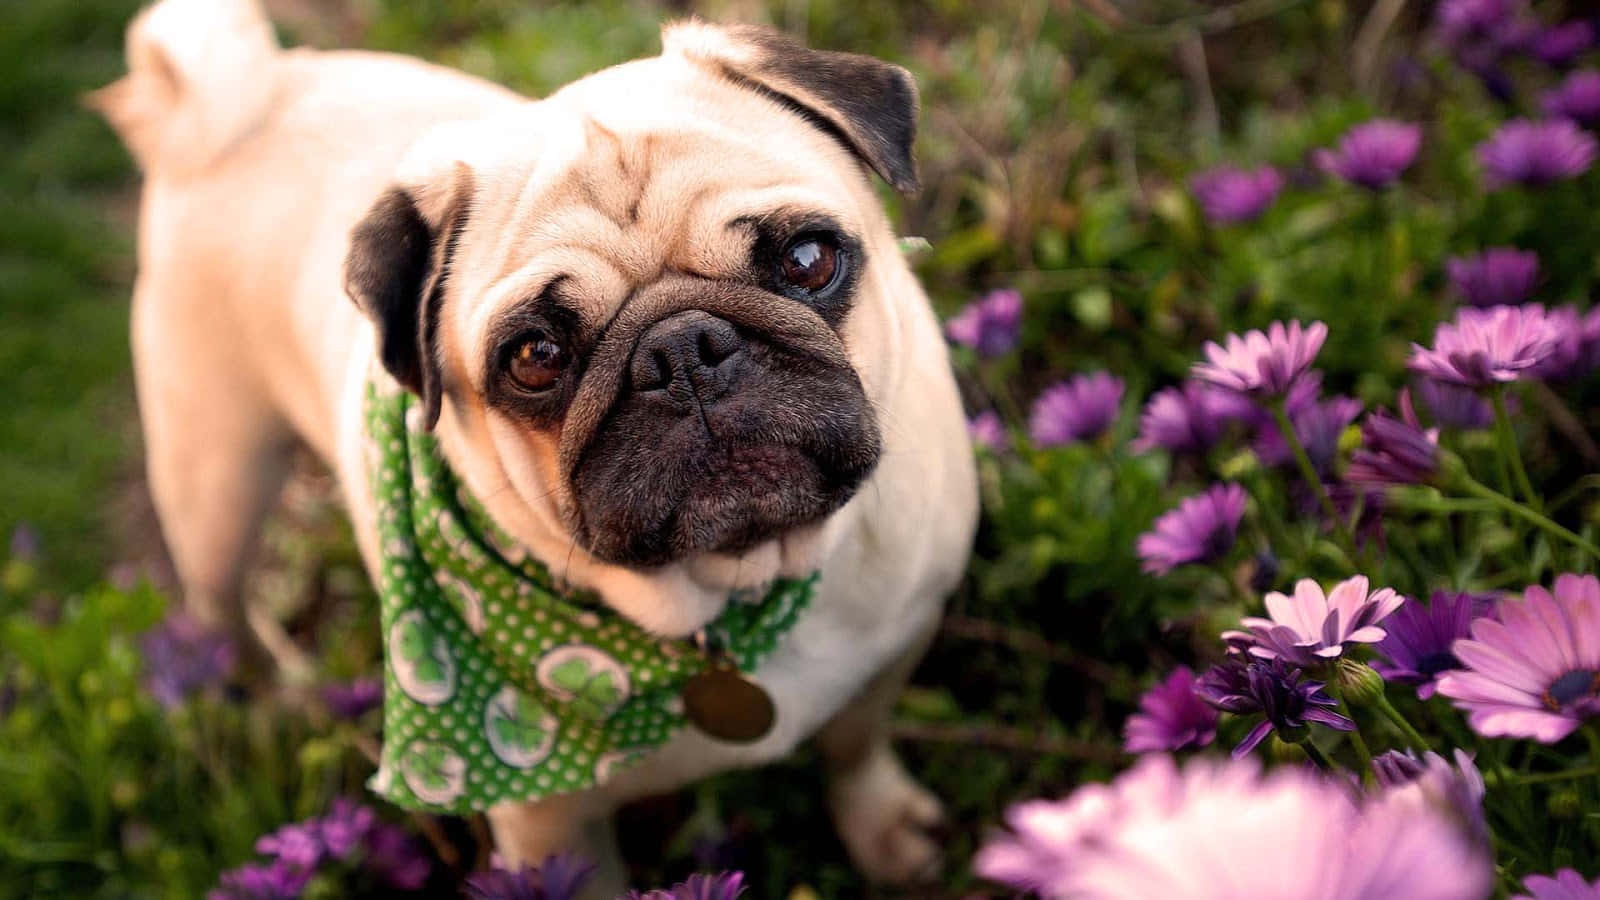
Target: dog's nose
(690,351)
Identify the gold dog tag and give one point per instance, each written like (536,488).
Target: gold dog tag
(723,703)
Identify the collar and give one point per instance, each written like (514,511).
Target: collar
(499,686)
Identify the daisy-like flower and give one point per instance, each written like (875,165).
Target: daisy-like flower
(1079,409)
(1483,347)
(273,881)
(1560,44)
(1454,406)
(1287,699)
(1310,627)
(1158,831)
(1536,153)
(1171,717)
(1190,418)
(1566,884)
(1230,195)
(559,877)
(722,886)
(1577,97)
(1533,671)
(1395,451)
(1496,277)
(1201,529)
(351,700)
(989,325)
(1459,19)
(1573,355)
(1421,638)
(1457,790)
(1373,154)
(1263,364)
(987,431)
(182,656)
(1318,426)
(298,844)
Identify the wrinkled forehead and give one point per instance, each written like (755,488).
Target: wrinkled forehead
(613,186)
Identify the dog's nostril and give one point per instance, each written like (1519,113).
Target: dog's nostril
(710,352)
(681,346)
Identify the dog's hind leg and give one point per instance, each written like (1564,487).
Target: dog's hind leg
(528,833)
(884,817)
(216,455)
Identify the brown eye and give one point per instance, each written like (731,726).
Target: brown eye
(810,263)
(537,362)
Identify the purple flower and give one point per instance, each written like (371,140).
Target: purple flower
(345,828)
(274,881)
(1075,410)
(1318,427)
(181,656)
(1456,791)
(1200,530)
(1171,717)
(1559,45)
(297,844)
(397,858)
(1483,347)
(1190,418)
(1566,885)
(1263,364)
(1222,828)
(1497,277)
(987,431)
(1463,18)
(24,543)
(1373,154)
(1454,406)
(989,325)
(559,877)
(1230,195)
(1418,647)
(722,886)
(351,700)
(1311,627)
(1574,353)
(1533,670)
(1536,153)
(1395,451)
(1577,97)
(1281,693)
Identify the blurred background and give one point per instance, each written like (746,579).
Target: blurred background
(1057,145)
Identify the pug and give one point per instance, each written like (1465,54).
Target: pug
(657,323)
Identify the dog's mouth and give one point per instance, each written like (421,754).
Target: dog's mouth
(724,500)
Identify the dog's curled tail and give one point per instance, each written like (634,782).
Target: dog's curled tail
(200,76)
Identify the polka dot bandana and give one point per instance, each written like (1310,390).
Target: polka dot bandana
(498,685)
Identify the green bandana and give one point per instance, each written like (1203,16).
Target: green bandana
(499,686)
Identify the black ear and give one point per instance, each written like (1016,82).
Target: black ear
(396,272)
(867,104)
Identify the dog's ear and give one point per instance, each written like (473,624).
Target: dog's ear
(866,103)
(396,272)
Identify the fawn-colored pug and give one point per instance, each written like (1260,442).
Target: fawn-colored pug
(658,323)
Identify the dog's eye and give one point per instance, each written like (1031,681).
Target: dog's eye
(536,362)
(810,262)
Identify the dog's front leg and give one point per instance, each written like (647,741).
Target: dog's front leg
(884,817)
(528,833)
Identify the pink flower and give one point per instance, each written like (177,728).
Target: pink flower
(1311,627)
(1483,347)
(1533,671)
(1171,716)
(1263,363)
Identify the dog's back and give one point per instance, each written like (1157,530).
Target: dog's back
(257,163)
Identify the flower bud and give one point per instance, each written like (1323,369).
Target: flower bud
(1285,753)
(1564,805)
(1358,683)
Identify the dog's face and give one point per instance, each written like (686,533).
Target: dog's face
(642,301)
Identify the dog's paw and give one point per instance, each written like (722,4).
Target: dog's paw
(888,822)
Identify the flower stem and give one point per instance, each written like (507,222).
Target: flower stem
(1393,715)
(1508,446)
(1543,777)
(1280,414)
(1316,755)
(1363,754)
(1528,515)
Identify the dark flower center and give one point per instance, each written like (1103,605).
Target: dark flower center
(1571,687)
(1434,663)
